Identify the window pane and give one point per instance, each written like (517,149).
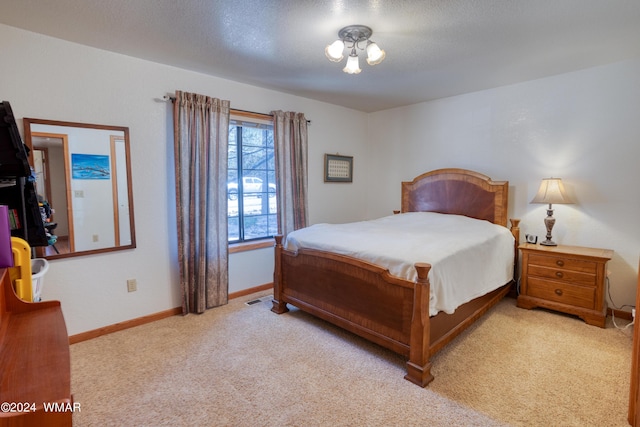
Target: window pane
(271,159)
(271,181)
(234,228)
(269,138)
(255,227)
(253,137)
(273,225)
(232,135)
(254,157)
(233,156)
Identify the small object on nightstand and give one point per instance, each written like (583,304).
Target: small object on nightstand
(570,279)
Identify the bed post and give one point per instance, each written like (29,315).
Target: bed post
(515,231)
(279,306)
(419,365)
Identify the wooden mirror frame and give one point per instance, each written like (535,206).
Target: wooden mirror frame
(29,133)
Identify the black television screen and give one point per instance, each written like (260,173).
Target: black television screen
(17,186)
(14,159)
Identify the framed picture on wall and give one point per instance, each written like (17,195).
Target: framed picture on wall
(338,168)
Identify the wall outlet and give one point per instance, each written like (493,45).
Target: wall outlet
(132,285)
(96,237)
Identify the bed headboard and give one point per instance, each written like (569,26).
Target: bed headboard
(457,191)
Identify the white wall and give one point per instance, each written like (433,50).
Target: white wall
(583,127)
(47,78)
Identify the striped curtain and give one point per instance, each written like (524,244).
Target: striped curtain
(290,137)
(201,131)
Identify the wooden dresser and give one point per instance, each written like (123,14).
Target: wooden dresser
(570,279)
(35,367)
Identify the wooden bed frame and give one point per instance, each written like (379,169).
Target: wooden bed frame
(365,299)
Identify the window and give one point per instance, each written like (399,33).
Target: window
(251,182)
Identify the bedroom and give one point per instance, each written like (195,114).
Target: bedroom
(581,125)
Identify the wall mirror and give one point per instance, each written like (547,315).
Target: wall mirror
(83,181)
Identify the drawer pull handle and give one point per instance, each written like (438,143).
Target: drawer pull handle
(560,262)
(559,292)
(559,274)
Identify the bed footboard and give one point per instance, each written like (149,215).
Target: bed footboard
(360,297)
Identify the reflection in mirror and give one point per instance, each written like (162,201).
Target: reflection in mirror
(83,181)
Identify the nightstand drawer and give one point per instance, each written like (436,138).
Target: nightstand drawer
(566,293)
(587,279)
(563,262)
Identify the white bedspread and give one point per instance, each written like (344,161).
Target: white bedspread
(469,257)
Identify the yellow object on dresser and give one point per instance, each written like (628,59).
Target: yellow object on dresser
(570,279)
(20,273)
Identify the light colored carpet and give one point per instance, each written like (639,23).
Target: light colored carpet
(241,365)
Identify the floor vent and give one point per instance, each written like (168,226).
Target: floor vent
(259,300)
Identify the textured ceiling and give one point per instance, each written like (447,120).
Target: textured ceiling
(435,48)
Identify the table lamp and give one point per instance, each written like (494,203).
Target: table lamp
(551,191)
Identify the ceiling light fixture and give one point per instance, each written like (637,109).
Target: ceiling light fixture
(354,34)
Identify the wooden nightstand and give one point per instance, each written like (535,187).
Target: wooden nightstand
(570,279)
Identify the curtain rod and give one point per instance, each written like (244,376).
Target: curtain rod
(173,98)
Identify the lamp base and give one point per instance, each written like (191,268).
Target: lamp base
(549,222)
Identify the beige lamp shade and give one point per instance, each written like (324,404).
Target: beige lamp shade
(551,191)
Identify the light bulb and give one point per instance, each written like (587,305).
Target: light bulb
(375,55)
(353,66)
(334,51)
